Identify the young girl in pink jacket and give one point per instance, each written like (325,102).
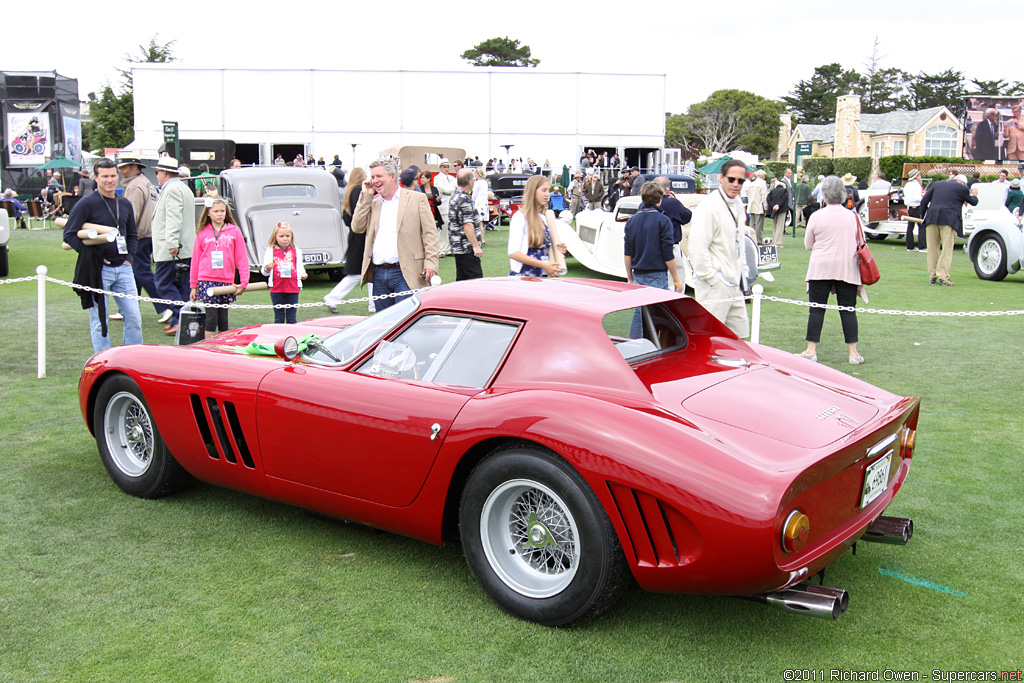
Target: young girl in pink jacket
(218,252)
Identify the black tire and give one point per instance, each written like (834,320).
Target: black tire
(877,238)
(990,258)
(130,445)
(538,540)
(4,266)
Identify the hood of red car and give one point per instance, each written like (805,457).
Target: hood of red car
(782,406)
(234,341)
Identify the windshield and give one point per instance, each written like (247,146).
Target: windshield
(289,192)
(353,340)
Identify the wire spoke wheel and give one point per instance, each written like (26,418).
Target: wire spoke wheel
(530,538)
(129,434)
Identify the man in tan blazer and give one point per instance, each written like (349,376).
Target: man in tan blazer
(401,236)
(1015,136)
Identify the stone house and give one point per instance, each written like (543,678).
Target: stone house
(934,131)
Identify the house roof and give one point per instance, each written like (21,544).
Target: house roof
(891,123)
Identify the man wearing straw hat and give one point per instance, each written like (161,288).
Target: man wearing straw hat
(174,231)
(912,193)
(106,266)
(141,193)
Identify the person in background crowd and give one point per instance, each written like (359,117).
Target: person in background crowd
(532,233)
(974,179)
(282,266)
(636,182)
(1014,197)
(279,160)
(352,271)
(19,208)
(593,190)
(235,163)
(480,198)
(787,180)
(942,209)
(464,229)
(1004,183)
(647,250)
(984,141)
(206,182)
(801,197)
(336,161)
(576,193)
(108,266)
(445,184)
(880,183)
(174,230)
(401,236)
(716,254)
(142,195)
(832,238)
(850,183)
(85,183)
(1014,135)
(816,192)
(757,201)
(218,255)
(673,208)
(776,204)
(912,194)
(433,196)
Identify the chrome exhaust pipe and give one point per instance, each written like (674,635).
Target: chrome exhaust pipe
(820,602)
(892,530)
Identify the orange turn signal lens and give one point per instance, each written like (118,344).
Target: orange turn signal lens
(795,531)
(907,439)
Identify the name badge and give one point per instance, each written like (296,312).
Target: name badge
(285,269)
(217,259)
(122,245)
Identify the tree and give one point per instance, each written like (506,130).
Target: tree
(113,114)
(500,52)
(881,90)
(935,90)
(728,119)
(996,87)
(814,100)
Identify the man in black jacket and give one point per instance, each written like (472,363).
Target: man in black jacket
(942,208)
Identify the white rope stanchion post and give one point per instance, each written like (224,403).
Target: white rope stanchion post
(41,324)
(755,322)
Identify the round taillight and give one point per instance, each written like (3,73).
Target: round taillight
(795,531)
(907,442)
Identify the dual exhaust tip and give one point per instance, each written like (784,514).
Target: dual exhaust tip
(824,602)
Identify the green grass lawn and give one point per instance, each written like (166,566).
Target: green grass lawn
(213,585)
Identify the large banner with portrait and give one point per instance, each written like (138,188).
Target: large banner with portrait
(28,138)
(992,129)
(72,132)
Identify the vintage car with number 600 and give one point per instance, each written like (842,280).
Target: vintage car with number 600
(305,197)
(517,416)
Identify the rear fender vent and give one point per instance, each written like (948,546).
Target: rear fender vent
(660,535)
(217,416)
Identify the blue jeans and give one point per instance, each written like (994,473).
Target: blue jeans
(387,281)
(118,279)
(284,315)
(658,280)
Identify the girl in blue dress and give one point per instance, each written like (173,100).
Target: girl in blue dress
(533,245)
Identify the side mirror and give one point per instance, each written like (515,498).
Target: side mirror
(287,348)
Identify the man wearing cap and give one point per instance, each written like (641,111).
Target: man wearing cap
(942,208)
(106,266)
(637,181)
(142,195)
(912,193)
(445,184)
(174,231)
(401,236)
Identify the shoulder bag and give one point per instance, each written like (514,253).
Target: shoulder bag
(869,274)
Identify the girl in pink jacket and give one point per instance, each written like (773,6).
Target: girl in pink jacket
(218,252)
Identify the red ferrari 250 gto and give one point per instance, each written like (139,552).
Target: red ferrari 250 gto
(517,416)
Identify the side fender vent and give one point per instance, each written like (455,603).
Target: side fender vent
(236,430)
(660,535)
(228,428)
(218,425)
(204,426)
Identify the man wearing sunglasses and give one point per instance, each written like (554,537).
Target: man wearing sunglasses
(716,249)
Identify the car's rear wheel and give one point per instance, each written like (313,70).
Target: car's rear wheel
(990,258)
(538,540)
(130,444)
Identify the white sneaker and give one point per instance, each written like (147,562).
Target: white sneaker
(115,316)
(165,316)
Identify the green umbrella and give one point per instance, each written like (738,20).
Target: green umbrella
(59,162)
(565,176)
(716,166)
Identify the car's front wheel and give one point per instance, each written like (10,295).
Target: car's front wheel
(538,540)
(990,258)
(130,444)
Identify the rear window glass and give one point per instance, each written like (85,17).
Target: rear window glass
(289,192)
(645,332)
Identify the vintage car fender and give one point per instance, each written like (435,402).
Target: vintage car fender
(1010,234)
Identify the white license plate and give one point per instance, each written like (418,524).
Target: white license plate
(314,257)
(876,478)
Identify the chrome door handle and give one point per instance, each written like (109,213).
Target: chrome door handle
(435,429)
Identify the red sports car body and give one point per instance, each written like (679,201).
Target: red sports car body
(516,415)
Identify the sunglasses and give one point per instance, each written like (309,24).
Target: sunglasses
(731,179)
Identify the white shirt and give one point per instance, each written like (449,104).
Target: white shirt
(385,242)
(445,184)
(912,193)
(480,194)
(1005,185)
(880,184)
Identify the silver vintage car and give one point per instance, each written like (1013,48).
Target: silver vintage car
(306,198)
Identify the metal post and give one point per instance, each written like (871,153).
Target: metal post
(41,323)
(755,323)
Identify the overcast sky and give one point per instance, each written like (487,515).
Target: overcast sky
(776,44)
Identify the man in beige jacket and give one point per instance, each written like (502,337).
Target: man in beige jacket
(401,236)
(757,195)
(141,193)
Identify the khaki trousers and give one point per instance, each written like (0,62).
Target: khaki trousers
(940,251)
(732,313)
(780,226)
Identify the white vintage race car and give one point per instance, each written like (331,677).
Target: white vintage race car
(597,240)
(995,246)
